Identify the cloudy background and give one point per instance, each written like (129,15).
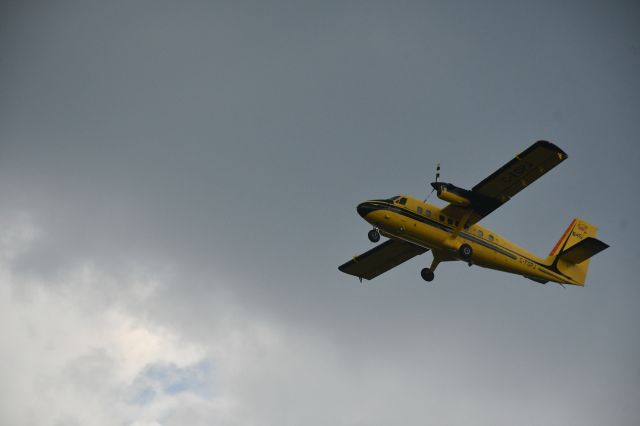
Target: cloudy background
(178,184)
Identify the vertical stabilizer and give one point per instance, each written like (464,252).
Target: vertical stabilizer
(580,236)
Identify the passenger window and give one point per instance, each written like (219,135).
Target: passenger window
(490,237)
(466,227)
(427,213)
(419,210)
(441,218)
(402,201)
(480,234)
(450,221)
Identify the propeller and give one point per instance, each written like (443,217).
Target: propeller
(434,186)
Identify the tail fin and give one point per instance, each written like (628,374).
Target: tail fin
(572,253)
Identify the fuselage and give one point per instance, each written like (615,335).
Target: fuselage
(426,225)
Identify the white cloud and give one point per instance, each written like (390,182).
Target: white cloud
(71,351)
(75,350)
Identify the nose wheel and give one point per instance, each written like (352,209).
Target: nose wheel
(374,235)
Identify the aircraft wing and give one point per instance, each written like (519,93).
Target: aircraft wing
(508,180)
(380,259)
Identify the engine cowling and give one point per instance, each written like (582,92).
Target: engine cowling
(453,198)
(452,194)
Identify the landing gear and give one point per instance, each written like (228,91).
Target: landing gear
(427,274)
(374,235)
(465,251)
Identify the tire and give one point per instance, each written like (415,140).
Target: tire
(465,251)
(374,236)
(427,274)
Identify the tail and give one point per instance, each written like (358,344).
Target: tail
(572,253)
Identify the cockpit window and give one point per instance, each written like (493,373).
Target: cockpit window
(402,201)
(393,199)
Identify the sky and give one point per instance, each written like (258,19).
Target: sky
(178,183)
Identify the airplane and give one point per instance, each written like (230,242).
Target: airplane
(452,233)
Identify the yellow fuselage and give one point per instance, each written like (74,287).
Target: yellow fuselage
(427,226)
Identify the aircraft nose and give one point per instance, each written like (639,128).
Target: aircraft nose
(365,208)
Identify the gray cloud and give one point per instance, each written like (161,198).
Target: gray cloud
(192,171)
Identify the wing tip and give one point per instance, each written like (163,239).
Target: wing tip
(552,147)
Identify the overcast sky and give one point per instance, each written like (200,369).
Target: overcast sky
(178,185)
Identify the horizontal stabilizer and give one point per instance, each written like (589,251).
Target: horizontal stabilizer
(583,250)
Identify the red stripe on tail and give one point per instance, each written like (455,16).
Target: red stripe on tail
(564,237)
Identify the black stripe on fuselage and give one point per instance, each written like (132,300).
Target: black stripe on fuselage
(383,205)
(444,227)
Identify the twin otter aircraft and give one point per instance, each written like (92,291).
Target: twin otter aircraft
(452,233)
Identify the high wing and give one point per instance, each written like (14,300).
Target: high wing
(380,259)
(507,181)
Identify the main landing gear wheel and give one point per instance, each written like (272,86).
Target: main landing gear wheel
(374,236)
(427,274)
(465,251)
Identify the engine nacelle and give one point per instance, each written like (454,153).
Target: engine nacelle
(452,197)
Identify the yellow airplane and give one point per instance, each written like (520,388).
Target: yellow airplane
(452,233)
